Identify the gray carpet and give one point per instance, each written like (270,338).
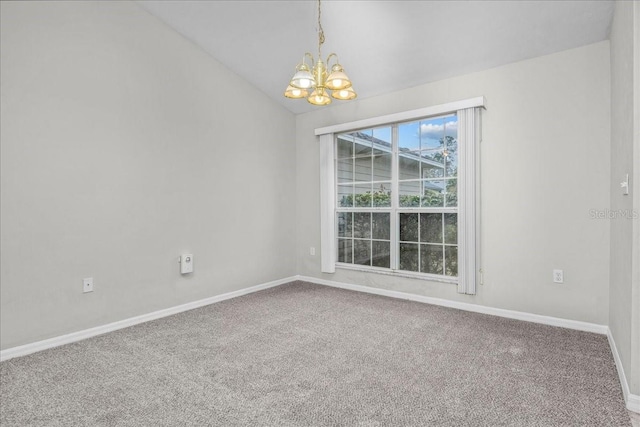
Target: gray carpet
(309,355)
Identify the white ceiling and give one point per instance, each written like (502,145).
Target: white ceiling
(384,46)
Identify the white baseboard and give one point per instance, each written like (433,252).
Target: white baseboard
(23,350)
(511,314)
(633,403)
(632,400)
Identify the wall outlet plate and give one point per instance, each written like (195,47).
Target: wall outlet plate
(558,276)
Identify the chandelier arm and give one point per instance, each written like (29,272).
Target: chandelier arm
(332,55)
(310,56)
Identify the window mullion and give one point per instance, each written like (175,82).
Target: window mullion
(395,245)
(328,243)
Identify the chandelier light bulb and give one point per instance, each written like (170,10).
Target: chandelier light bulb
(305,83)
(295,93)
(319,97)
(344,94)
(338,80)
(303,79)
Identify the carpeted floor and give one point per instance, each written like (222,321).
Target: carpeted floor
(310,355)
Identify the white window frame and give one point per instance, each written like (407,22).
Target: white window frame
(468,112)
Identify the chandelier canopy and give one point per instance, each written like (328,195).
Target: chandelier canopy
(317,80)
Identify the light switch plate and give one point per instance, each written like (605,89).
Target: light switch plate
(625,185)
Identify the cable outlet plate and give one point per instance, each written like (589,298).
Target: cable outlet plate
(186,263)
(87,285)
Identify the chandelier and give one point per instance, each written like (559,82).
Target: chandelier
(318,80)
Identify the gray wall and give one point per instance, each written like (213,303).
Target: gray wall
(624,293)
(124,145)
(545,166)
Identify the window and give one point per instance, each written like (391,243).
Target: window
(399,194)
(364,175)
(419,158)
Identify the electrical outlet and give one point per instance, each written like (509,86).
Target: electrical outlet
(312,251)
(87,285)
(558,276)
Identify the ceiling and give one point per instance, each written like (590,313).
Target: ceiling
(384,46)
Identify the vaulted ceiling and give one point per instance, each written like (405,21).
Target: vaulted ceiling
(384,46)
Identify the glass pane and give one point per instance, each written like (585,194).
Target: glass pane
(345,170)
(433,164)
(431,259)
(382,167)
(382,136)
(345,250)
(451,260)
(363,169)
(362,225)
(381,148)
(362,143)
(451,145)
(382,195)
(451,156)
(409,166)
(381,226)
(363,196)
(344,224)
(362,252)
(345,196)
(409,136)
(432,193)
(452,193)
(432,133)
(431,169)
(409,227)
(451,126)
(381,254)
(431,227)
(345,146)
(451,228)
(409,194)
(409,256)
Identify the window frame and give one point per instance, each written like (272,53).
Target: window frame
(468,113)
(394,210)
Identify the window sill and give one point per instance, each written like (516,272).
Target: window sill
(397,273)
